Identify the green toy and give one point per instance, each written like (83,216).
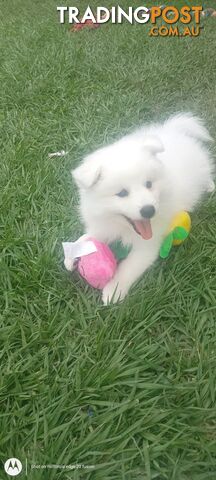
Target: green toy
(177,233)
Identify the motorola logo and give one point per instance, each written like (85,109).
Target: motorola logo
(13,467)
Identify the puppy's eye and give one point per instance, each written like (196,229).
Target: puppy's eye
(123,193)
(148,184)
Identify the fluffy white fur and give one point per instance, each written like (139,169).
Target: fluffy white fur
(174,158)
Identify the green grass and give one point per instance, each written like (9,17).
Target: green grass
(130,388)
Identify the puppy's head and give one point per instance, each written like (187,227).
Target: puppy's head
(124,180)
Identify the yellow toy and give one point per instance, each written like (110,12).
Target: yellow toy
(178,231)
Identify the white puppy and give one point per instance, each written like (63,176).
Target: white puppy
(131,190)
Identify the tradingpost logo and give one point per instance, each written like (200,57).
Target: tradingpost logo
(175,20)
(13,467)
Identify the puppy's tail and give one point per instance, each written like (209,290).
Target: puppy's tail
(190,125)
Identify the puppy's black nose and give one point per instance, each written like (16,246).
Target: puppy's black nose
(148,211)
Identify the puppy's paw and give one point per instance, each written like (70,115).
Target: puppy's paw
(113,292)
(70,264)
(211,187)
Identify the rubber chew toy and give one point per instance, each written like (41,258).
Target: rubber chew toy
(178,231)
(95,261)
(98,267)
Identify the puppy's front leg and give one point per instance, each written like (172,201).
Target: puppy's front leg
(128,272)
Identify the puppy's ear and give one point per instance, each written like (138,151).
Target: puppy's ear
(87,174)
(153,143)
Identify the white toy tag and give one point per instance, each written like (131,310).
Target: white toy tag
(78,249)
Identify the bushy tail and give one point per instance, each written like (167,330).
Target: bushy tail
(190,125)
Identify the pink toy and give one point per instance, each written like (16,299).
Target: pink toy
(98,267)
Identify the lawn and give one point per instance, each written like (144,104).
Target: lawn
(129,389)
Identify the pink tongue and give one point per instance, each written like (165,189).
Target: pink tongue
(144,228)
